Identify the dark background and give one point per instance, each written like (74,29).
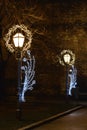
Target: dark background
(56,25)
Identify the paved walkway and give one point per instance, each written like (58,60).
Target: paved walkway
(73,121)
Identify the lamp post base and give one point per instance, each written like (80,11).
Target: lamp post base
(19,113)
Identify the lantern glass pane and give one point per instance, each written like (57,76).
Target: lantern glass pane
(67,58)
(18,39)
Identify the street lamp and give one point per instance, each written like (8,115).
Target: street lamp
(67,58)
(18,40)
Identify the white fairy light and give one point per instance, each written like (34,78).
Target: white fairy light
(29,74)
(8,36)
(64,52)
(73,79)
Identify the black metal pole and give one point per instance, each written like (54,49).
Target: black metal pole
(67,82)
(19,107)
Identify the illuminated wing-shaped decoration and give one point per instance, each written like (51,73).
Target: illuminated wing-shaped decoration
(73,79)
(29,73)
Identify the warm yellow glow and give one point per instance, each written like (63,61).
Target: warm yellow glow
(67,58)
(18,39)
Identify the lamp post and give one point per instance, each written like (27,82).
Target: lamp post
(18,40)
(67,59)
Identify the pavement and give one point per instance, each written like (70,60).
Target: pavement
(39,123)
(77,120)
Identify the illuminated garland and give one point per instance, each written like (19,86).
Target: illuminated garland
(61,60)
(29,73)
(73,79)
(8,37)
